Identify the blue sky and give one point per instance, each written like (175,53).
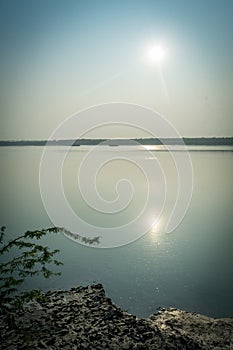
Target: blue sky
(58,57)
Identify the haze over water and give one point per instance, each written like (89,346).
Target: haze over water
(190,269)
(172,58)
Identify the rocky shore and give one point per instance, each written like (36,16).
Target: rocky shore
(84,318)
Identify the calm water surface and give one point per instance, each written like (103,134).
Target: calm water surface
(190,269)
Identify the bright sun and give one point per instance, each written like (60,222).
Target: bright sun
(155,54)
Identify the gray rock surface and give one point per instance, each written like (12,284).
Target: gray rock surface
(84,318)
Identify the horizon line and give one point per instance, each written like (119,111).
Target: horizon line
(118,138)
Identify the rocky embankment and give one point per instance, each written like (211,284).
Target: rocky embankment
(84,318)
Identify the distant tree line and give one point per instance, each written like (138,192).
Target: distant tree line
(194,141)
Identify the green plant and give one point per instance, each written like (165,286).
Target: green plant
(23,258)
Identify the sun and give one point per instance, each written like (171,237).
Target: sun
(155,54)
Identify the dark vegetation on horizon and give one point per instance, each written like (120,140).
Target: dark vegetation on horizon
(194,141)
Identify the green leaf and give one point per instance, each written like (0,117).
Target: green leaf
(30,260)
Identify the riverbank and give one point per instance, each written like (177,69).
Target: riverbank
(84,318)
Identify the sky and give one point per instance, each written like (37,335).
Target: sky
(59,57)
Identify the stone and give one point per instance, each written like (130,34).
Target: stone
(84,318)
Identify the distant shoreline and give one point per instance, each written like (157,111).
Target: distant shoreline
(189,141)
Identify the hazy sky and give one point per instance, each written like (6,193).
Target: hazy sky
(58,57)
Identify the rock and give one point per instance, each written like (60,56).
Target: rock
(84,318)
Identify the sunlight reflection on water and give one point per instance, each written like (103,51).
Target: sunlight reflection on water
(192,268)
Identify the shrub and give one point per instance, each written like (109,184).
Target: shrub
(23,258)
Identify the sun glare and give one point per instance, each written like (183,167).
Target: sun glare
(155,54)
